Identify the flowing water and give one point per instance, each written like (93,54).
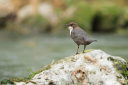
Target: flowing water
(20,54)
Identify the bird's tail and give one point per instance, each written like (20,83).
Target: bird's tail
(94,41)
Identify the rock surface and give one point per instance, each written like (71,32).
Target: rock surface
(90,68)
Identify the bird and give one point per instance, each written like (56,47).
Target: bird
(79,36)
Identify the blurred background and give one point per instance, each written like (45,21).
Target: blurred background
(32,32)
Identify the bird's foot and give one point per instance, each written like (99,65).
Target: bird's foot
(77,53)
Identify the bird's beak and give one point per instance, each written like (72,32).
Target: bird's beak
(66,25)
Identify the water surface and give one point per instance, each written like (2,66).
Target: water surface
(20,54)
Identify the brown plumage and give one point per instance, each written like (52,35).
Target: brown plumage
(79,36)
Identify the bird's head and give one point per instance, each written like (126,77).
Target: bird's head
(71,26)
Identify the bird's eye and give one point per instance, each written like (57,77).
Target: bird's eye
(71,24)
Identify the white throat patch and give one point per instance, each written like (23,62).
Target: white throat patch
(70,28)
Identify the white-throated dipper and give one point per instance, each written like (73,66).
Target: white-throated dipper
(79,36)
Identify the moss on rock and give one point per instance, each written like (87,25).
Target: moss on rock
(20,79)
(4,82)
(121,67)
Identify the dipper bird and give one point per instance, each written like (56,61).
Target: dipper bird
(79,36)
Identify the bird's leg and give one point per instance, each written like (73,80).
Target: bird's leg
(77,49)
(84,48)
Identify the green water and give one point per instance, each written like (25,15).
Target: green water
(20,54)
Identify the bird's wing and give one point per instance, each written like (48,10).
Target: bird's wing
(77,34)
(80,34)
(85,36)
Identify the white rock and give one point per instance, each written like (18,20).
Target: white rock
(92,68)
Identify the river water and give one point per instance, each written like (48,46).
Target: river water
(17,55)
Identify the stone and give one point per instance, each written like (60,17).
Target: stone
(91,68)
